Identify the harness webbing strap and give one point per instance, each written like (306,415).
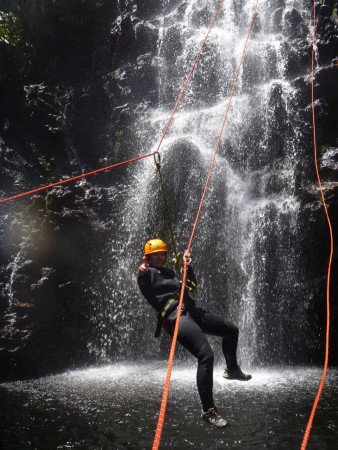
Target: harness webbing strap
(163,314)
(167,307)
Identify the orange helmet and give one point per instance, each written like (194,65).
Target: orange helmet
(155,246)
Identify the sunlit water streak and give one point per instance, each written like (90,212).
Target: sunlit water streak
(115,407)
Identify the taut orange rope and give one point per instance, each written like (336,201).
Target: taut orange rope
(163,407)
(160,423)
(223,125)
(190,74)
(77,177)
(327,334)
(23,194)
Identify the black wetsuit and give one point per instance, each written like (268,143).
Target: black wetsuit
(160,286)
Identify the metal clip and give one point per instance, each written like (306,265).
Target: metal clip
(157,162)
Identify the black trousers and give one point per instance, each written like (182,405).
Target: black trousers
(194,324)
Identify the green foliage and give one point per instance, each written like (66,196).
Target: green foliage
(47,166)
(10,30)
(335,15)
(14,50)
(48,201)
(51,40)
(118,144)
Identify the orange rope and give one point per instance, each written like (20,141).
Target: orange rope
(190,74)
(77,177)
(23,194)
(163,407)
(327,335)
(160,423)
(222,126)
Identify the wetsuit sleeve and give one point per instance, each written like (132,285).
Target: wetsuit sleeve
(144,283)
(191,275)
(191,287)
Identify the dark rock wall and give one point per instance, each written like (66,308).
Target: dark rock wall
(315,245)
(56,120)
(66,106)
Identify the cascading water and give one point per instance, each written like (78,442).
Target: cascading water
(245,250)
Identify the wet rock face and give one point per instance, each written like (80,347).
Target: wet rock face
(313,219)
(294,25)
(54,124)
(46,317)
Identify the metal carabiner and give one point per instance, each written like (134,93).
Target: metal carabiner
(158,163)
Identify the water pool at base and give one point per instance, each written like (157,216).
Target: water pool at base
(115,407)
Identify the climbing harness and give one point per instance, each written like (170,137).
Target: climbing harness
(327,332)
(166,311)
(190,285)
(172,304)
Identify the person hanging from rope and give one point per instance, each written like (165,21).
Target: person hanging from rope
(161,288)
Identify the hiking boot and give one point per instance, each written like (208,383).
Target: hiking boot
(236,374)
(214,419)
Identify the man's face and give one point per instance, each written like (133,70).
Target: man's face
(157,259)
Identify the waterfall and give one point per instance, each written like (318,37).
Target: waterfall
(245,252)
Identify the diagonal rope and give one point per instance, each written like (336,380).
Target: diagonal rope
(68,180)
(190,74)
(222,126)
(327,333)
(185,84)
(77,177)
(165,394)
